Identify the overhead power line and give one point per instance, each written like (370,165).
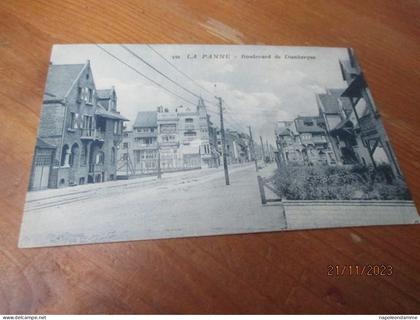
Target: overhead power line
(229,119)
(160,72)
(234,124)
(180,71)
(146,77)
(163,74)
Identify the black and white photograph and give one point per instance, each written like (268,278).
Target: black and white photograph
(141,142)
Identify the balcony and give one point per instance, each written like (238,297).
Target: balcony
(138,145)
(145,134)
(92,134)
(368,125)
(169,143)
(319,139)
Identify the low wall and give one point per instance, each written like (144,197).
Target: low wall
(326,214)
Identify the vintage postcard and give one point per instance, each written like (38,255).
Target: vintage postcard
(159,141)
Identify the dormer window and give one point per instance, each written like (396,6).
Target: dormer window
(308,123)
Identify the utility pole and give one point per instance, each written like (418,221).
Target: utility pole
(262,149)
(253,149)
(159,173)
(267,149)
(222,133)
(126,162)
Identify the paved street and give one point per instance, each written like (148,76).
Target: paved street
(180,204)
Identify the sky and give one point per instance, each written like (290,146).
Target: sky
(256,92)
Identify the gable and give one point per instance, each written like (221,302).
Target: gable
(60,80)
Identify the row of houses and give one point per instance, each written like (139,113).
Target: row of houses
(182,138)
(79,132)
(347,129)
(82,138)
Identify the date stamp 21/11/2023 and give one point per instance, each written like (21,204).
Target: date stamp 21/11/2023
(360,270)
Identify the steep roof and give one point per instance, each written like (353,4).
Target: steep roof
(60,79)
(43,145)
(308,124)
(335,92)
(146,119)
(333,107)
(104,93)
(329,103)
(102,112)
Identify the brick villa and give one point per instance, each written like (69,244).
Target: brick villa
(79,132)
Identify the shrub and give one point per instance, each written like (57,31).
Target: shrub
(339,183)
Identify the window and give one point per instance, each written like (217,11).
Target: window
(190,133)
(117,127)
(150,155)
(168,138)
(306,136)
(100,158)
(147,141)
(84,94)
(125,145)
(125,156)
(74,155)
(205,149)
(189,120)
(90,95)
(168,128)
(145,130)
(64,155)
(72,120)
(308,123)
(80,93)
(87,122)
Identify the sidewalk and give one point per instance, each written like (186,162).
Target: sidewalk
(146,180)
(180,206)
